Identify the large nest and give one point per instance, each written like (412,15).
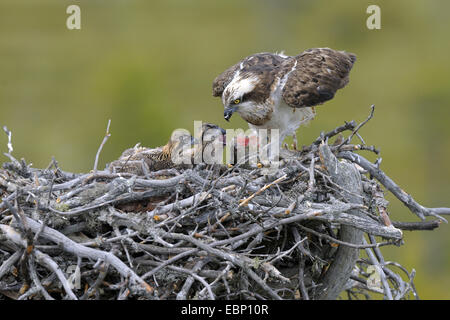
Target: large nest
(313,229)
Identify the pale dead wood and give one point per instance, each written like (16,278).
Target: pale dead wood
(208,231)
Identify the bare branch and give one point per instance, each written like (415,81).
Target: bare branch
(207,231)
(107,135)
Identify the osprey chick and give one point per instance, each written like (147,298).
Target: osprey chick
(139,160)
(275,91)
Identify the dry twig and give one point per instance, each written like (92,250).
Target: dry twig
(207,232)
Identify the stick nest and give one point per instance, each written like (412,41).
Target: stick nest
(204,232)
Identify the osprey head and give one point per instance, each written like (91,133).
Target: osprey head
(212,133)
(180,141)
(239,94)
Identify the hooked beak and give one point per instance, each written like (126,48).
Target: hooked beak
(228,112)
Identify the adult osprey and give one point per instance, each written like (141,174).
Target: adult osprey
(275,91)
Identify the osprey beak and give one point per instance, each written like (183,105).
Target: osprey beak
(228,112)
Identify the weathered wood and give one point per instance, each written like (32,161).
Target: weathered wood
(349,179)
(203,231)
(386,181)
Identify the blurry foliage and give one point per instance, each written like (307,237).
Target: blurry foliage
(149,65)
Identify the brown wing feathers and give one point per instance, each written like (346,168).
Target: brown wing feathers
(260,61)
(318,75)
(223,79)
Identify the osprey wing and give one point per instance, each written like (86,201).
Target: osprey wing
(319,73)
(259,60)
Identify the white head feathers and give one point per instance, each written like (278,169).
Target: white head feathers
(238,87)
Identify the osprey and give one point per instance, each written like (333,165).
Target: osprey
(275,91)
(140,160)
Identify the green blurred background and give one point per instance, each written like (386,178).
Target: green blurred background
(148,66)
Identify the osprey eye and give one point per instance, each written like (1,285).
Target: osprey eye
(236,101)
